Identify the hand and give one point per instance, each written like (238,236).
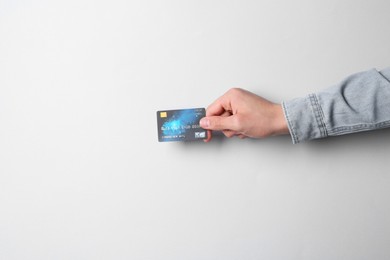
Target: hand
(241,113)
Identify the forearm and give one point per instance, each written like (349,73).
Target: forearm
(361,102)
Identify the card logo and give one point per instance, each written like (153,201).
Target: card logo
(200,134)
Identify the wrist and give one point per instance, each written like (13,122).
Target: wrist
(280,124)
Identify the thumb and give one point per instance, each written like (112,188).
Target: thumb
(219,123)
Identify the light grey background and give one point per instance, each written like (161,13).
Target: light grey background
(82,175)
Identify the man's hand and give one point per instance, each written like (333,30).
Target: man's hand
(241,113)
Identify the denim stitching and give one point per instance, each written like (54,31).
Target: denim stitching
(322,116)
(360,127)
(318,114)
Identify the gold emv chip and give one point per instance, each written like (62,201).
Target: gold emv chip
(163,114)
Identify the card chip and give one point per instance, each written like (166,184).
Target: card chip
(163,114)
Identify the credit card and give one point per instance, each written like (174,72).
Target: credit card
(180,125)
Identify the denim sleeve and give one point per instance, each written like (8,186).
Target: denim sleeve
(361,102)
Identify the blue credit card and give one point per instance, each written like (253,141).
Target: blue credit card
(180,125)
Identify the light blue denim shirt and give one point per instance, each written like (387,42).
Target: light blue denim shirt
(360,102)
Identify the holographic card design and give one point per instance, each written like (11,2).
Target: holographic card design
(180,125)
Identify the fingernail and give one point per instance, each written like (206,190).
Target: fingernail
(204,122)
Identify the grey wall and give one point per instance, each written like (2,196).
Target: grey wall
(82,175)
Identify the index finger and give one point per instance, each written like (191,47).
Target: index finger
(219,106)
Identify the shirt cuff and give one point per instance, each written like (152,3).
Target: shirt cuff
(305,118)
